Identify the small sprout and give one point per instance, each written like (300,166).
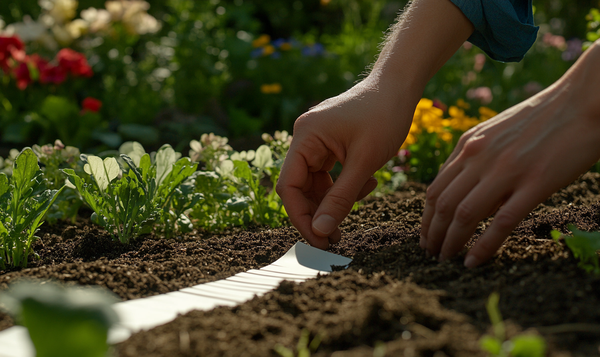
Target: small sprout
(304,347)
(583,245)
(524,345)
(66,322)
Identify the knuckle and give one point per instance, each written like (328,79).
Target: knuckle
(505,219)
(442,206)
(339,203)
(431,194)
(464,214)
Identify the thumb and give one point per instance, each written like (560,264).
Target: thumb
(353,183)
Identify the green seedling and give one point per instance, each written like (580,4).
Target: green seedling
(129,204)
(265,205)
(583,245)
(24,200)
(523,345)
(63,322)
(304,348)
(235,193)
(53,158)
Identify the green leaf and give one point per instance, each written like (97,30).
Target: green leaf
(528,346)
(225,168)
(165,158)
(25,169)
(491,345)
(584,246)
(4,185)
(263,157)
(236,204)
(104,171)
(242,170)
(134,150)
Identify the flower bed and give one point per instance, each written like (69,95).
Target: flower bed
(392,298)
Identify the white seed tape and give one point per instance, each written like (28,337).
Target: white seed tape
(301,262)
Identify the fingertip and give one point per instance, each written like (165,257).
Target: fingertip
(324,225)
(471,261)
(318,242)
(335,237)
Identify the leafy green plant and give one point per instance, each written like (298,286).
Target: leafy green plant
(593,27)
(239,187)
(53,158)
(524,345)
(130,204)
(24,201)
(583,245)
(304,348)
(66,322)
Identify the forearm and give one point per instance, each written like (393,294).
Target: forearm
(424,38)
(583,80)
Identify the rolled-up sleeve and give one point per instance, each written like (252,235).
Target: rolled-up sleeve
(504,29)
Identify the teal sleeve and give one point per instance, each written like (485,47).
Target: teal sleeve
(504,29)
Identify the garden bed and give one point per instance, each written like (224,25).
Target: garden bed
(391,295)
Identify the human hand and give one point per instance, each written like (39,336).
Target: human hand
(511,163)
(362,129)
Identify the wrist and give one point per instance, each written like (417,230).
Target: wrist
(583,82)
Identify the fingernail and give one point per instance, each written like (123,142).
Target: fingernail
(325,224)
(471,261)
(422,242)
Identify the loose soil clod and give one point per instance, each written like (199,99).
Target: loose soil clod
(391,294)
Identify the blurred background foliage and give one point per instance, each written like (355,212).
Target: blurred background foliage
(239,68)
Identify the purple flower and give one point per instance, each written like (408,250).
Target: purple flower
(313,50)
(573,50)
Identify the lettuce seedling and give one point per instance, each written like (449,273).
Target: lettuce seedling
(24,201)
(304,347)
(523,345)
(130,204)
(583,245)
(65,322)
(265,205)
(53,158)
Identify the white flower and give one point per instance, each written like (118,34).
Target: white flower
(61,10)
(28,30)
(76,28)
(133,15)
(98,19)
(62,35)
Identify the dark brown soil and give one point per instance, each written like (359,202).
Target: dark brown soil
(392,301)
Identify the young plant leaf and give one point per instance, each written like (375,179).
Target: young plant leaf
(104,171)
(583,245)
(25,169)
(263,158)
(528,346)
(165,158)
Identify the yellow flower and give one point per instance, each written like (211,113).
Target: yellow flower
(427,116)
(462,104)
(271,88)
(268,49)
(261,41)
(286,46)
(486,113)
(446,136)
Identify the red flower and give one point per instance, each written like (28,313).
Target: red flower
(91,104)
(10,47)
(22,75)
(48,72)
(74,62)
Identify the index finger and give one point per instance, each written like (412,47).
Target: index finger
(292,184)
